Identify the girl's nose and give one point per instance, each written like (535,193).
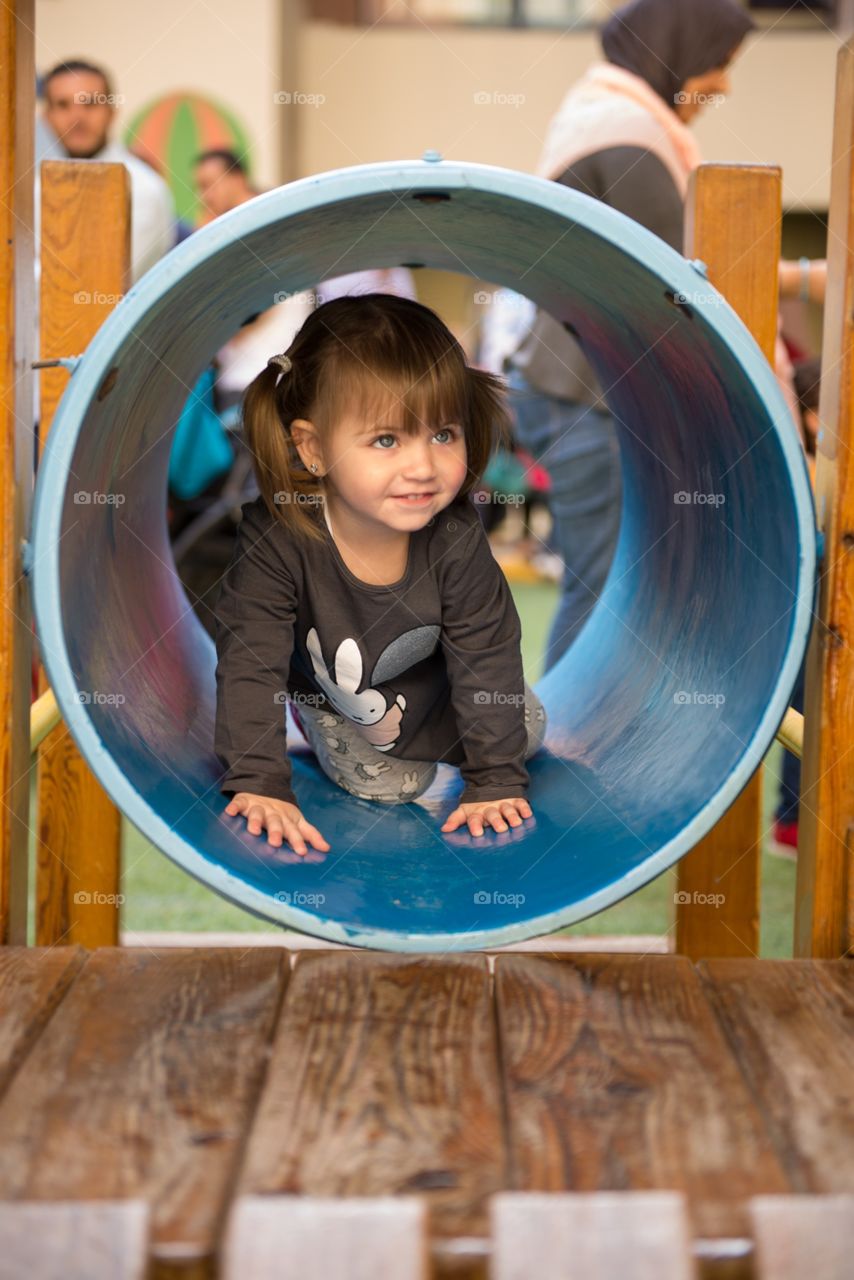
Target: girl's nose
(418,460)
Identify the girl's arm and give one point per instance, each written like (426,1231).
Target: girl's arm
(481,639)
(255,617)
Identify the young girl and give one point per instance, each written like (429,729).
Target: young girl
(362,587)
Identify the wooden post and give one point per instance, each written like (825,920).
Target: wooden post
(733,223)
(85,252)
(17,80)
(824,914)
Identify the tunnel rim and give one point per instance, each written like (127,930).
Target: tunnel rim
(321,191)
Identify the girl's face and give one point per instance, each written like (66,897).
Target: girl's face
(382,475)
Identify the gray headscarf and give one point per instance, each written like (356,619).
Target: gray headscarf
(668,41)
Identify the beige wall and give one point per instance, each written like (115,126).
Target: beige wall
(389,93)
(394,93)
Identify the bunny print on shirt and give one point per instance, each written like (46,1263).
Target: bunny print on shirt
(378,718)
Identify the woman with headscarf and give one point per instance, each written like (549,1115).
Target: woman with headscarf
(621,136)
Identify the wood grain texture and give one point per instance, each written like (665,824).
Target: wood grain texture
(824,910)
(803,1236)
(384,1080)
(296,1237)
(33,981)
(733,224)
(100,1240)
(591,1236)
(85,252)
(790,1024)
(618,1078)
(141,1086)
(17,114)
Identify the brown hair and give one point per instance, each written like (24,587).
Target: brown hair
(361,351)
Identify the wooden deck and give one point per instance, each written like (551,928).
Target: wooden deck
(190,1087)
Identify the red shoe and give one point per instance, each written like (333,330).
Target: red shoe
(298,721)
(786,840)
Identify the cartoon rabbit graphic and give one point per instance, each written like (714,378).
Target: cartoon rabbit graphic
(369,710)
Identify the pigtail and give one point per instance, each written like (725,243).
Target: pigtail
(489,426)
(290,492)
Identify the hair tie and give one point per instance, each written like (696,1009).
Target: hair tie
(284,362)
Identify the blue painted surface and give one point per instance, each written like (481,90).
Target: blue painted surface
(658,714)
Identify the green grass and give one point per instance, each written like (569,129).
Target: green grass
(159,896)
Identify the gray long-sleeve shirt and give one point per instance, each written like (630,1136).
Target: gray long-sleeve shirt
(637,183)
(427,668)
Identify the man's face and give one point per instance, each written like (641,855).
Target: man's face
(218,189)
(79,113)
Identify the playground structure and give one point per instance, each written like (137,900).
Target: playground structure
(368,1110)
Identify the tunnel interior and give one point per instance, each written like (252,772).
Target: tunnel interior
(659,712)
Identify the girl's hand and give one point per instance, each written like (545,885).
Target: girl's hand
(280,819)
(493,812)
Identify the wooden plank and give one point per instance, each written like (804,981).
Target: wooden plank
(33,981)
(597,1235)
(791,1025)
(618,1078)
(103,1240)
(295,1237)
(798,1236)
(17,114)
(824,905)
(85,254)
(733,224)
(141,1086)
(384,1080)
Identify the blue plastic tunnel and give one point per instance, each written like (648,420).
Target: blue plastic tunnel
(660,711)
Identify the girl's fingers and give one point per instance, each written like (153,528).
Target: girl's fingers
(314,836)
(453,820)
(293,837)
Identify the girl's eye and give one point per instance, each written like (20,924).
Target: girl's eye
(448,432)
(386,436)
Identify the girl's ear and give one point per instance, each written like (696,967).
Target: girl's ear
(305,439)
